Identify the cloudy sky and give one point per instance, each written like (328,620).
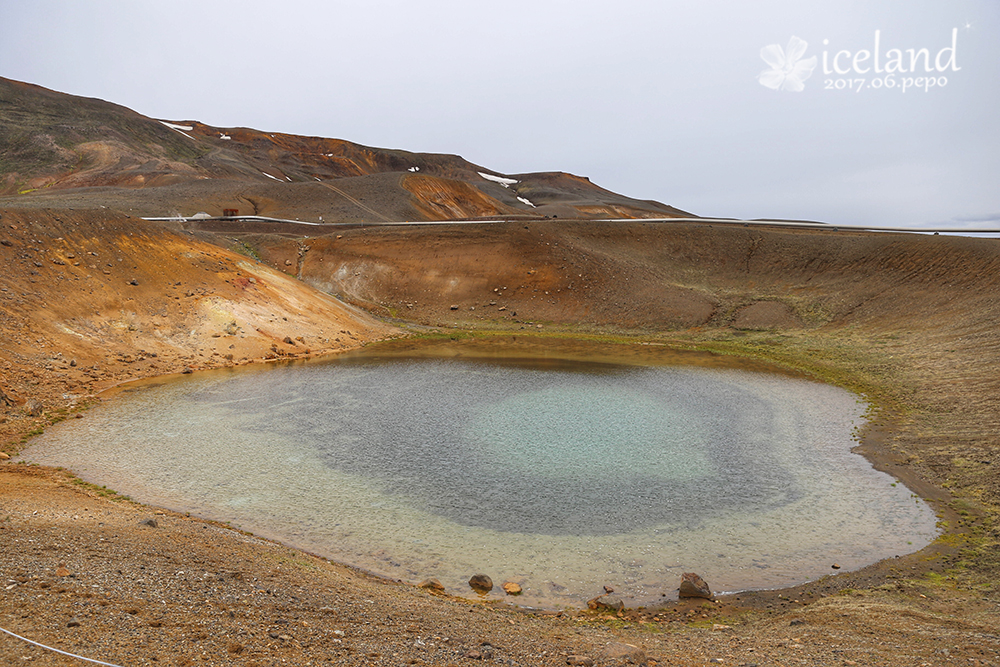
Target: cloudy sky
(658,100)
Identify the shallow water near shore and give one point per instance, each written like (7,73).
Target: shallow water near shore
(561,466)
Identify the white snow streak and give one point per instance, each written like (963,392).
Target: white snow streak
(185,128)
(506,182)
(525,201)
(178,130)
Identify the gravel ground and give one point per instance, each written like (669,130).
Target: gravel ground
(130,585)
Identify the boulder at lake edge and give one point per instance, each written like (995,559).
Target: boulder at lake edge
(607,602)
(693,586)
(481,583)
(432,585)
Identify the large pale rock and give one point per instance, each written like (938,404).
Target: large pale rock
(693,586)
(34,407)
(623,653)
(607,602)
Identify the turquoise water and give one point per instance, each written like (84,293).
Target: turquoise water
(559,474)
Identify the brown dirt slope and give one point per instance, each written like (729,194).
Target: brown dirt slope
(89,299)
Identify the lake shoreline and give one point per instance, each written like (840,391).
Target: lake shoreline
(64,501)
(637,583)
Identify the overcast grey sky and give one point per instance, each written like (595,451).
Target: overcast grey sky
(656,100)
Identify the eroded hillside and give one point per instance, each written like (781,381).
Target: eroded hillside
(89,299)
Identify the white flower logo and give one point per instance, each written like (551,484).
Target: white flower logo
(788,71)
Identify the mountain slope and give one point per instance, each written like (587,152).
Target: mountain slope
(53,144)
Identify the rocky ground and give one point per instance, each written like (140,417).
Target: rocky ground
(108,579)
(89,299)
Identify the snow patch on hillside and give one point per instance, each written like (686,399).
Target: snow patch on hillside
(506,182)
(180,129)
(525,201)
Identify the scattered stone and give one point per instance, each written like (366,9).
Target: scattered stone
(797,621)
(454,306)
(186,371)
(626,653)
(4,456)
(607,602)
(581,660)
(149,522)
(483,652)
(34,407)
(133,282)
(511,588)
(288,341)
(432,585)
(608,589)
(835,566)
(72,363)
(693,586)
(288,262)
(73,622)
(62,570)
(719,627)
(481,583)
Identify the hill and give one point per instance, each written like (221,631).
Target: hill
(58,148)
